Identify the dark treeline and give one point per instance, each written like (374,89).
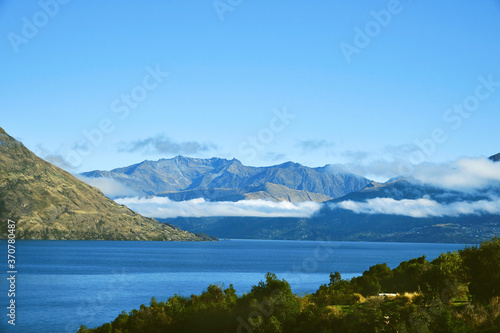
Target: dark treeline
(456,292)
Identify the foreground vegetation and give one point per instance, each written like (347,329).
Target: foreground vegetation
(456,292)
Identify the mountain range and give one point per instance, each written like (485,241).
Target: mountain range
(182,178)
(47,202)
(333,222)
(216,179)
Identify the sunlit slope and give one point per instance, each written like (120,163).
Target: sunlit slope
(49,203)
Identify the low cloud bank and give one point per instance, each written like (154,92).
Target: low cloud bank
(420,208)
(161,207)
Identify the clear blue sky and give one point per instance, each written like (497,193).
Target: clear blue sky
(231,69)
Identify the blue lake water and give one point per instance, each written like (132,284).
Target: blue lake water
(64,284)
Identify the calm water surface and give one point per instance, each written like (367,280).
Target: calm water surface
(64,284)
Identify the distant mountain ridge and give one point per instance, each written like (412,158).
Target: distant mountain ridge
(334,223)
(217,179)
(49,203)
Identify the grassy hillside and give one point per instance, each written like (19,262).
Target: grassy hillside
(49,203)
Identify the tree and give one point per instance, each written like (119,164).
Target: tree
(337,292)
(335,278)
(444,277)
(382,274)
(367,285)
(407,276)
(270,305)
(482,266)
(213,294)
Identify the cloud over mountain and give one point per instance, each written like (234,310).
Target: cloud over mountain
(162,207)
(466,174)
(380,164)
(419,208)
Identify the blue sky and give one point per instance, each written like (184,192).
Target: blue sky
(370,85)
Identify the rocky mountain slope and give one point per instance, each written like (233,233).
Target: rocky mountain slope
(48,203)
(216,179)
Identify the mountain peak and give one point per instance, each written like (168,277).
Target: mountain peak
(495,158)
(6,139)
(290,164)
(182,158)
(333,168)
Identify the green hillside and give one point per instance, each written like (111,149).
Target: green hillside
(49,203)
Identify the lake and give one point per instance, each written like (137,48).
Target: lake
(64,284)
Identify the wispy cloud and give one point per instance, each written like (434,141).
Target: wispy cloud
(273,157)
(355,155)
(109,186)
(314,144)
(380,164)
(54,157)
(419,208)
(164,145)
(161,207)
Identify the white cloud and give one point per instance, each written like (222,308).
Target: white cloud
(161,207)
(420,208)
(466,174)
(109,186)
(463,175)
